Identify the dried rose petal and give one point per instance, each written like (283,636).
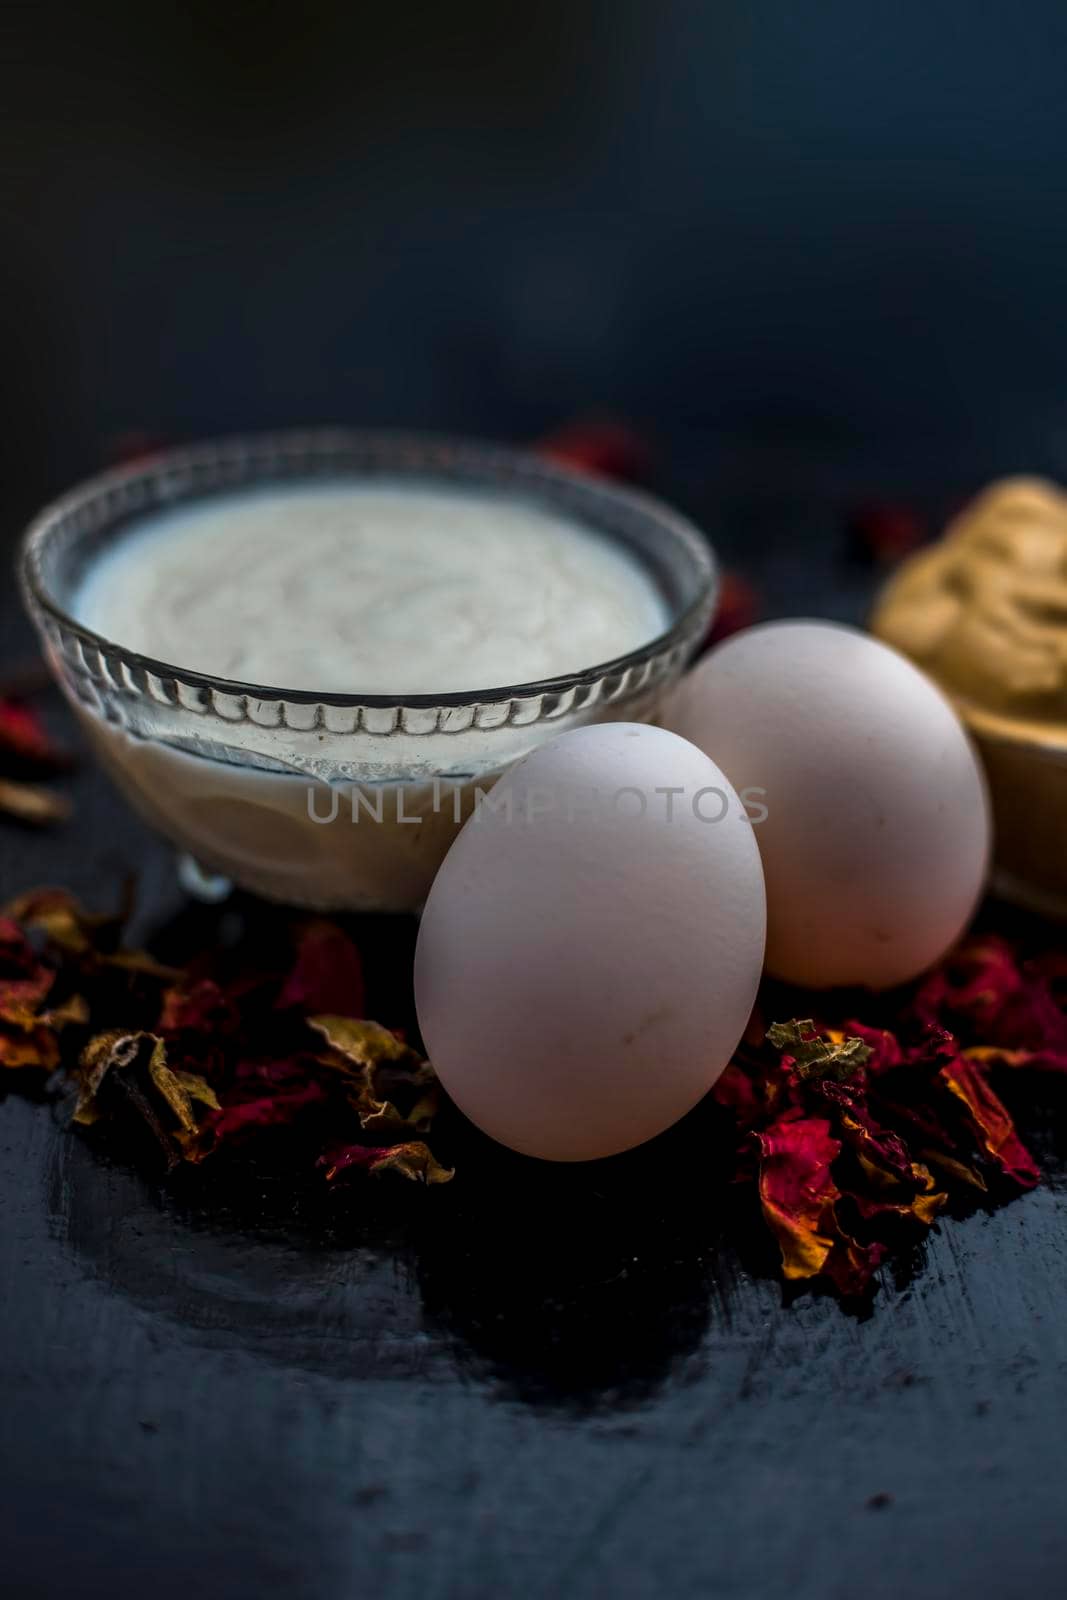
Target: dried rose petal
(28,1034)
(236,1119)
(36,1047)
(852,1124)
(855,1136)
(739,606)
(201,1007)
(991,1122)
(603,448)
(880,1152)
(133,445)
(118,1052)
(377,1070)
(26,747)
(93,937)
(74,1011)
(886,532)
(367,1045)
(1040,1060)
(971,987)
(65,922)
(836,1056)
(327,974)
(797,1191)
(411,1159)
(29,803)
(21,998)
(738,1090)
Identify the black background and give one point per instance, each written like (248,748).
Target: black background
(816,253)
(799,244)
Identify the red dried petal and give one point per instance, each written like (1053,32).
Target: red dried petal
(738,1090)
(883,531)
(880,1152)
(264,1111)
(36,1047)
(17,955)
(1030,1012)
(758,1087)
(327,973)
(273,1072)
(25,985)
(20,998)
(202,1007)
(851,1265)
(921,1208)
(971,987)
(133,445)
(25,744)
(990,1122)
(885,1047)
(411,1158)
(604,449)
(1042,1060)
(349,1158)
(797,1191)
(739,607)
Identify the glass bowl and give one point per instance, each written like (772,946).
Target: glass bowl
(336,801)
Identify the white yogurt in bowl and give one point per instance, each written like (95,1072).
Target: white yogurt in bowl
(304,656)
(356,588)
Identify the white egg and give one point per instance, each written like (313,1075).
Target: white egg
(876,840)
(591,948)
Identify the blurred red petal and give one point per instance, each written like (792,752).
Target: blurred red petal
(883,531)
(201,1007)
(326,974)
(740,605)
(603,448)
(25,744)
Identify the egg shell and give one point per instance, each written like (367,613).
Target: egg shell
(876,841)
(591,948)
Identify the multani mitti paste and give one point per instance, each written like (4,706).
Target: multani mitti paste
(984,611)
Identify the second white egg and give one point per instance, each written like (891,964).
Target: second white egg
(876,838)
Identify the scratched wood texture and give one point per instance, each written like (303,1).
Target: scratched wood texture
(533,1383)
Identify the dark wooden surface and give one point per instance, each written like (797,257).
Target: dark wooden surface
(534,1382)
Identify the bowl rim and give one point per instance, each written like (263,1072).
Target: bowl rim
(1047,740)
(494,466)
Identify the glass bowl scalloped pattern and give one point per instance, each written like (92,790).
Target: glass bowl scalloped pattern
(168,734)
